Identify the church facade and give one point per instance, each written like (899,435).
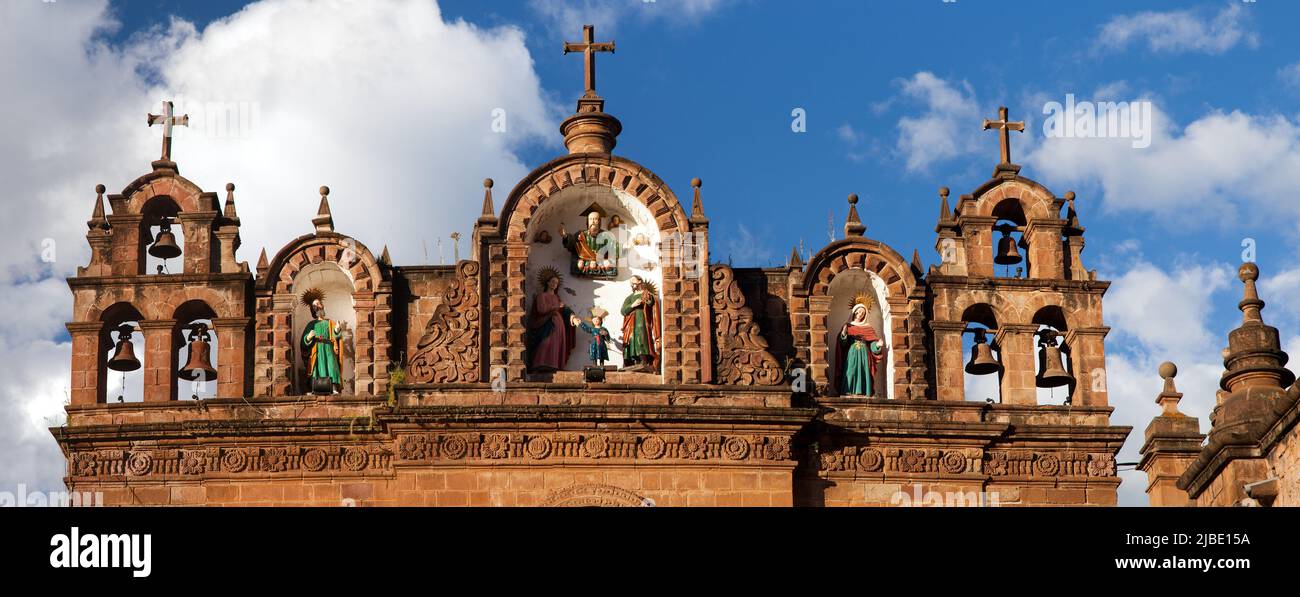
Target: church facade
(589,352)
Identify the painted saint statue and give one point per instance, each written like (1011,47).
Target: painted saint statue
(641,343)
(550,326)
(598,350)
(595,251)
(860,351)
(322,341)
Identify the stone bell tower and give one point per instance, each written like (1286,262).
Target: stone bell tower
(1011,264)
(116,288)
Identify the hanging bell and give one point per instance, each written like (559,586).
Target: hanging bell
(1008,252)
(124,353)
(982,361)
(1054,374)
(198,366)
(165,247)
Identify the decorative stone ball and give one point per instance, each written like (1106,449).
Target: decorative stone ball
(324,190)
(1069,195)
(230,187)
(943,191)
(99,188)
(487,183)
(697,183)
(853,198)
(1168,370)
(1248,272)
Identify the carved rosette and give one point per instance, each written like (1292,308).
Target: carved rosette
(533,447)
(902,460)
(229,461)
(448,351)
(740,351)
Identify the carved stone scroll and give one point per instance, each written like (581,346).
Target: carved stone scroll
(740,351)
(449,349)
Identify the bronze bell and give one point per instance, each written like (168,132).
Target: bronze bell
(1054,374)
(199,365)
(1008,252)
(981,357)
(124,353)
(165,247)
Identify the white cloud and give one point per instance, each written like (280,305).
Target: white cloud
(1160,315)
(1289,75)
(946,127)
(568,16)
(385,102)
(1179,31)
(1227,168)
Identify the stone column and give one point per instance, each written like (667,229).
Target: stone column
(1088,357)
(197,256)
(948,360)
(516,311)
(159,360)
(1046,261)
(127,243)
(232,356)
(819,355)
(89,365)
(978,232)
(1019,363)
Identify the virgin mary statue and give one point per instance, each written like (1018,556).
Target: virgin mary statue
(860,350)
(550,328)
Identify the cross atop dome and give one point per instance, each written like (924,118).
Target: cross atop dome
(589,47)
(1004,126)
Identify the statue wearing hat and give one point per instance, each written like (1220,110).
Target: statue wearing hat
(860,350)
(595,250)
(322,340)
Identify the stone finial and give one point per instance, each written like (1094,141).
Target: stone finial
(1254,356)
(98,220)
(1169,397)
(796,261)
(489,214)
(262,263)
(853,226)
(230,213)
(324,220)
(918,268)
(697,205)
(945,213)
(385,258)
(1250,305)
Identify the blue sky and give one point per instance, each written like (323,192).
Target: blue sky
(894,93)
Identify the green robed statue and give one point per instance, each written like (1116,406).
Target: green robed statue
(322,341)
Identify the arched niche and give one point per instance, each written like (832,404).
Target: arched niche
(684,293)
(188,313)
(843,289)
(637,237)
(901,301)
(338,286)
(277,366)
(153,213)
(111,384)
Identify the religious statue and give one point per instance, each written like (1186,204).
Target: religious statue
(550,326)
(641,343)
(598,351)
(860,350)
(324,337)
(595,251)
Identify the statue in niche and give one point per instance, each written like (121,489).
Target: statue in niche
(641,342)
(322,341)
(598,350)
(860,350)
(550,326)
(595,250)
